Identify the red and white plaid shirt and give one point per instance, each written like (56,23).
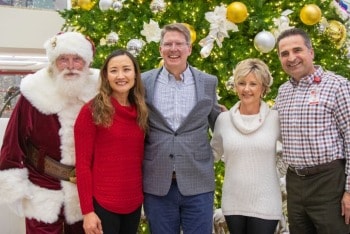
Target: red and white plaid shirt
(315,120)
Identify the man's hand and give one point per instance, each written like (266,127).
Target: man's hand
(92,224)
(345,207)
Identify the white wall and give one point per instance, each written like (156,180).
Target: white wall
(23,34)
(26,28)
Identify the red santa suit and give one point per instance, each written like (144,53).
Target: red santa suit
(44,118)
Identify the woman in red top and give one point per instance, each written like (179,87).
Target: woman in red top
(109,140)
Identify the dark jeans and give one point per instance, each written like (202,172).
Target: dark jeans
(166,214)
(113,223)
(239,224)
(314,202)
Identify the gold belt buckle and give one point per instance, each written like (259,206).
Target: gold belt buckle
(72,176)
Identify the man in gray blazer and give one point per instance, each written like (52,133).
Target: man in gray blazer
(179,179)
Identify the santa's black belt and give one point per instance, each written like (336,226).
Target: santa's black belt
(50,166)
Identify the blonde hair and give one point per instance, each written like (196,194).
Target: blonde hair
(258,68)
(102,107)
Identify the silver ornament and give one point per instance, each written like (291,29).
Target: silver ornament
(112,38)
(117,6)
(134,46)
(230,83)
(264,41)
(157,6)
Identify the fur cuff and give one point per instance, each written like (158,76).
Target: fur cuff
(14,184)
(45,205)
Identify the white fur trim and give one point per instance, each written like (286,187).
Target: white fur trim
(72,210)
(69,43)
(14,184)
(39,88)
(45,205)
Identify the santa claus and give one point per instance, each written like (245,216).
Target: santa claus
(37,156)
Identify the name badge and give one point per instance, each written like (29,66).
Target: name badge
(314,97)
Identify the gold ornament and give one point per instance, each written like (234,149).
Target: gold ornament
(310,14)
(337,32)
(74,4)
(86,4)
(192,32)
(236,12)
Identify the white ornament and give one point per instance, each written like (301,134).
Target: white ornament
(157,6)
(105,4)
(134,46)
(151,31)
(264,41)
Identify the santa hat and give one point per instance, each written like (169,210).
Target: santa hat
(69,43)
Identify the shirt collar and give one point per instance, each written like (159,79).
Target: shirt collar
(167,76)
(312,78)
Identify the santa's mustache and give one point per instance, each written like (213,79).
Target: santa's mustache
(70,73)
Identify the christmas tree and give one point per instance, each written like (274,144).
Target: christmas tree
(223,33)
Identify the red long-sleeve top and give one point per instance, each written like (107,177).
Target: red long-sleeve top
(109,160)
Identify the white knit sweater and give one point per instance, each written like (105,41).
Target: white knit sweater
(247,145)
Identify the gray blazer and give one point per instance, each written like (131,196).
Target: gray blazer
(187,149)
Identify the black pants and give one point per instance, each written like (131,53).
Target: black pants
(314,202)
(238,224)
(113,223)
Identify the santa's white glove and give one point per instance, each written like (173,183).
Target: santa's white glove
(17,206)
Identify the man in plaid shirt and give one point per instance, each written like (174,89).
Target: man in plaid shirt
(314,109)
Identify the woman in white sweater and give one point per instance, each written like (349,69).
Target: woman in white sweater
(245,139)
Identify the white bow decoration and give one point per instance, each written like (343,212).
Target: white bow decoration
(282,23)
(219,26)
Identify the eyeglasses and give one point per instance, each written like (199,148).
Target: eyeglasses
(177,45)
(64,61)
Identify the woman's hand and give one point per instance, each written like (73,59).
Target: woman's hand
(92,224)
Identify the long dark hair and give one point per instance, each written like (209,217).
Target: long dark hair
(102,107)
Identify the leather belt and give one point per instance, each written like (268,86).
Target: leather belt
(308,171)
(50,166)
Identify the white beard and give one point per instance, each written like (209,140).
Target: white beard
(70,83)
